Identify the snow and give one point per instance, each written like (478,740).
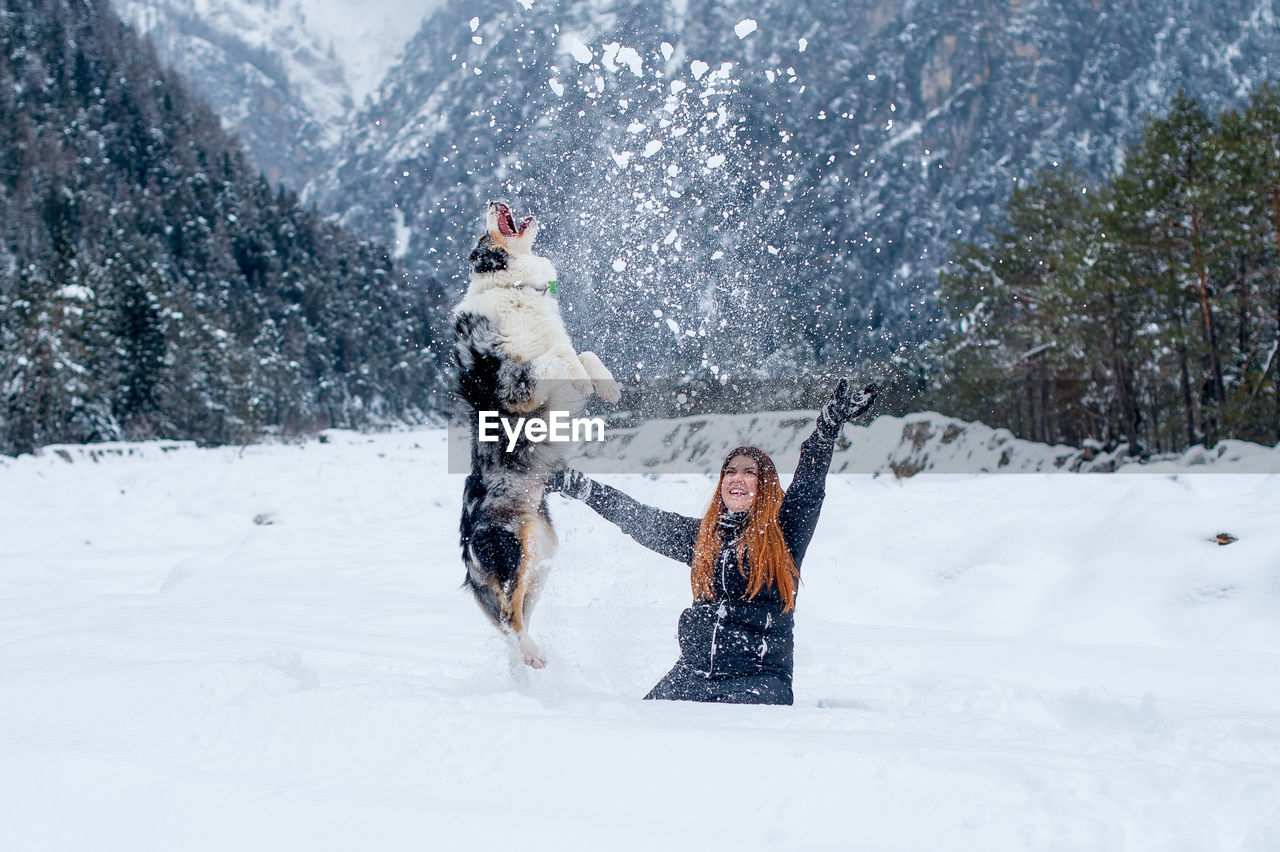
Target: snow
(573,45)
(744,28)
(368,36)
(403,234)
(614,53)
(267,647)
(75,293)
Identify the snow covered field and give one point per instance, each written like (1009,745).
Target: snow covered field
(268,649)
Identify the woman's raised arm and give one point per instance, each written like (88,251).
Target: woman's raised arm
(803,501)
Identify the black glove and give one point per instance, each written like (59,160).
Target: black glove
(843,407)
(570,483)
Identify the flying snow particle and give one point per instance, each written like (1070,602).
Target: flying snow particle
(619,265)
(667,51)
(669,238)
(673,325)
(607,57)
(577,49)
(698,67)
(477,39)
(635,127)
(652,148)
(556,86)
(678,86)
(620,160)
(630,57)
(804,45)
(716,161)
(475,24)
(744,28)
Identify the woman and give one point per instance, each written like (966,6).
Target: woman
(745,553)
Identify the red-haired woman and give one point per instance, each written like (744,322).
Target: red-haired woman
(745,553)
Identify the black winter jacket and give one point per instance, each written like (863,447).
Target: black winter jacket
(731,648)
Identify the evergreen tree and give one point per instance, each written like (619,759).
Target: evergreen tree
(1145,311)
(152,284)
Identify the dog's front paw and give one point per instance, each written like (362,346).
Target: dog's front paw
(609,390)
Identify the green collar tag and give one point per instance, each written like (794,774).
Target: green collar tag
(551,285)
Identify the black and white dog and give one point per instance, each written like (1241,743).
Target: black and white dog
(515,358)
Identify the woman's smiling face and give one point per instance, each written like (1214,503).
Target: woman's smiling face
(739,482)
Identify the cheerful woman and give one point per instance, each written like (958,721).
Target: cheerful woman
(736,640)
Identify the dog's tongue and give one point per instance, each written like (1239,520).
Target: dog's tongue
(506,224)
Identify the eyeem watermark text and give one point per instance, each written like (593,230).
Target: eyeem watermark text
(559,428)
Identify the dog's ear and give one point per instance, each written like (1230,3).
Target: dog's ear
(486,257)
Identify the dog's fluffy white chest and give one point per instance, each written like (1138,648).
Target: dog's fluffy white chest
(529,321)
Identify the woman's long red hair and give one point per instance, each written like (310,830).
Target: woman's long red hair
(768,558)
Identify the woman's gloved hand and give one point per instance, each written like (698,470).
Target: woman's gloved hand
(570,483)
(842,407)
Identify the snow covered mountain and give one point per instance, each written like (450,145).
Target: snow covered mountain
(284,75)
(794,170)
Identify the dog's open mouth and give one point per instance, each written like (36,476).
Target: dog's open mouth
(506,222)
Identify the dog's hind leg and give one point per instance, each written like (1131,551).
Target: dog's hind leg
(538,543)
(492,556)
